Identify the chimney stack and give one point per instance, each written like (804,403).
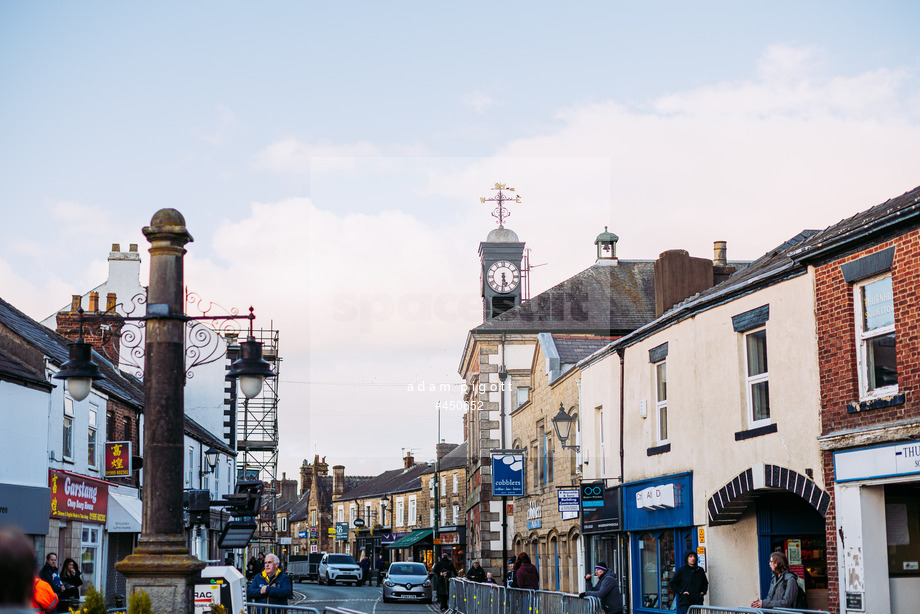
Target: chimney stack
(93,302)
(306,477)
(409,460)
(110,301)
(338,480)
(719,255)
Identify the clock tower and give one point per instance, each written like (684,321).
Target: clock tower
(500,256)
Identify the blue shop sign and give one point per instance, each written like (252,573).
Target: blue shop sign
(657,503)
(507,473)
(302,535)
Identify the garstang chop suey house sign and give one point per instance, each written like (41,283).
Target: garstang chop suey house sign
(77,497)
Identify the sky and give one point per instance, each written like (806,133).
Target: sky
(329,159)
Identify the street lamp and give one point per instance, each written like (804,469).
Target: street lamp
(562,423)
(161,564)
(210,456)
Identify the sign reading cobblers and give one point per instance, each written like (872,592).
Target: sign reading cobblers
(507,473)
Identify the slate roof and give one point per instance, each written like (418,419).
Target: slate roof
(195,430)
(388,482)
(572,349)
(602,299)
(454,459)
(784,262)
(13,369)
(126,388)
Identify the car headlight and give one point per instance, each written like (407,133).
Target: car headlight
(389,582)
(426,583)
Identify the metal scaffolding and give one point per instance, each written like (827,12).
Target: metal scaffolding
(257,419)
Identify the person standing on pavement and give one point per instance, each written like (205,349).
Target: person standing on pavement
(365,566)
(272,586)
(476,573)
(49,573)
(510,580)
(380,565)
(689,584)
(783,588)
(525,574)
(72,579)
(444,570)
(608,589)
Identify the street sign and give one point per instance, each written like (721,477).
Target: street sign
(358,522)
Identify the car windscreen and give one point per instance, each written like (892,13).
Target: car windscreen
(402,569)
(340,559)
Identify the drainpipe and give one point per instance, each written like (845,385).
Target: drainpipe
(502,377)
(624,541)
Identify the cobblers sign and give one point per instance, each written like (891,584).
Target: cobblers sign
(77,497)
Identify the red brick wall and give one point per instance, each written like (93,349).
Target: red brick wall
(116,412)
(836,329)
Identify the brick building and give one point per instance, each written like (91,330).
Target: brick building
(867,283)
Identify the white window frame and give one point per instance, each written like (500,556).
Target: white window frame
(431,517)
(413,511)
(340,514)
(313,518)
(600,436)
(522,394)
(752,380)
(862,338)
(456,511)
(92,437)
(456,482)
(400,512)
(191,466)
(661,405)
(431,487)
(352,514)
(67,440)
(443,515)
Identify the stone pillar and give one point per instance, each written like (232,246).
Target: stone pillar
(161,564)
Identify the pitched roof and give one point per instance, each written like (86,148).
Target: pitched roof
(572,349)
(121,385)
(603,299)
(454,459)
(388,482)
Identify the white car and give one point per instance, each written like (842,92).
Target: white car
(339,568)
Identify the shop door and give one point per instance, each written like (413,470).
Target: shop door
(656,555)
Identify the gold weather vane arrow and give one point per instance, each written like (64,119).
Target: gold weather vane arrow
(501,213)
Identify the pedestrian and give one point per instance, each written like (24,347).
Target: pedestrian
(49,573)
(444,570)
(17,573)
(476,573)
(380,566)
(365,566)
(72,579)
(510,580)
(251,568)
(689,584)
(525,574)
(489,578)
(608,589)
(272,586)
(783,588)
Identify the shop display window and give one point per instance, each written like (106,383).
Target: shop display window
(657,557)
(902,527)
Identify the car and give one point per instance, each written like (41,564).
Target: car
(405,581)
(339,568)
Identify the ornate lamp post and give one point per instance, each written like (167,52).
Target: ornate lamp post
(562,423)
(161,564)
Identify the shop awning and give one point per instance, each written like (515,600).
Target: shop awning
(124,514)
(407,541)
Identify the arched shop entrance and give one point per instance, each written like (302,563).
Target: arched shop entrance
(789,510)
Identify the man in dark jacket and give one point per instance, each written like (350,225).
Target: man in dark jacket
(49,573)
(272,586)
(443,571)
(476,573)
(608,590)
(689,584)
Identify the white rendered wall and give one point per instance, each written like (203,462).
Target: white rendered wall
(24,436)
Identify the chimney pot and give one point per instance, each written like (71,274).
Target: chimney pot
(93,301)
(720,253)
(132,247)
(75,302)
(110,301)
(116,247)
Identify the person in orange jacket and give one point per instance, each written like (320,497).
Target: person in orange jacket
(44,598)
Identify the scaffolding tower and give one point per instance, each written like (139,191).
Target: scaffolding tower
(257,419)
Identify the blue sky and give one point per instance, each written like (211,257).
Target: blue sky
(330,154)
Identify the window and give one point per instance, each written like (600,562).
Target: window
(523,395)
(443,515)
(599,434)
(313,518)
(400,512)
(283,524)
(658,553)
(190,466)
(456,483)
(661,401)
(126,425)
(876,360)
(217,480)
(456,514)
(352,514)
(548,457)
(758,391)
(443,485)
(89,543)
(413,511)
(67,444)
(431,517)
(340,514)
(110,425)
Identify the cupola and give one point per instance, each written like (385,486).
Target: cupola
(606,243)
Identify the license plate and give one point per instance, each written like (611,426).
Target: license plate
(408,596)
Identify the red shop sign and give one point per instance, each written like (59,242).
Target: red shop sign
(118,459)
(77,497)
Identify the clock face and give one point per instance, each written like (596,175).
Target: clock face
(503,276)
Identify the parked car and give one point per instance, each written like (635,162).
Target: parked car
(406,581)
(339,568)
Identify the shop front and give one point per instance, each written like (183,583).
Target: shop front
(453,542)
(602,531)
(659,519)
(26,507)
(122,526)
(877,495)
(79,509)
(411,546)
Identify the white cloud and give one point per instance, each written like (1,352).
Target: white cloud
(226,124)
(479,101)
(290,156)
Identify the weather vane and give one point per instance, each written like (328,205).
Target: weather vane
(501,213)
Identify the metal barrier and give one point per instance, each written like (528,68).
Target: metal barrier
(261,608)
(465,597)
(699,609)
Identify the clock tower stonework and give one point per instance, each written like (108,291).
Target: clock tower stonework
(501,255)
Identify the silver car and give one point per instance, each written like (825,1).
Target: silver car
(405,581)
(339,568)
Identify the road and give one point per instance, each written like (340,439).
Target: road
(361,598)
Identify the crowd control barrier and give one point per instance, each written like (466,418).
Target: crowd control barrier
(702,609)
(467,597)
